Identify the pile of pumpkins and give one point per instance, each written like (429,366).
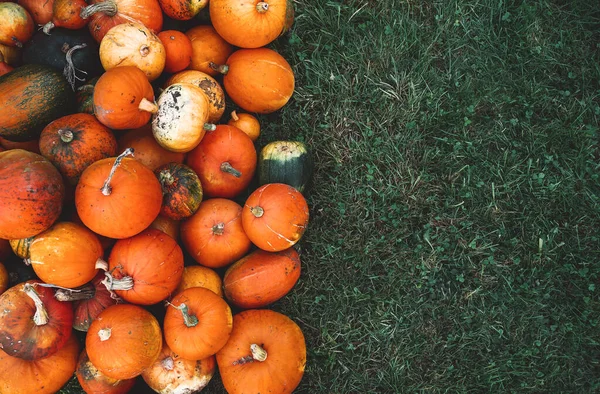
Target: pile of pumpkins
(139,218)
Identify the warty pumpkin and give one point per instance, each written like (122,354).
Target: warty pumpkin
(207,46)
(211,88)
(17,25)
(93,381)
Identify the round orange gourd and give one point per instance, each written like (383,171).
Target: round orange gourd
(275,216)
(263,21)
(66,13)
(214,235)
(40,11)
(17,25)
(124,98)
(225,161)
(178,49)
(211,88)
(123,341)
(207,47)
(118,197)
(133,44)
(247,123)
(31,194)
(258,80)
(182,10)
(197,323)
(199,276)
(93,381)
(266,353)
(147,150)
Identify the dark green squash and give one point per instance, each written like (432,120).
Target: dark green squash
(85,97)
(32,96)
(286,162)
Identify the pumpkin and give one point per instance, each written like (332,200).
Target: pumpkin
(181,188)
(17,25)
(5,68)
(105,14)
(207,47)
(72,143)
(133,44)
(4,278)
(197,323)
(66,13)
(166,225)
(12,55)
(182,9)
(171,373)
(93,381)
(84,95)
(178,48)
(31,194)
(266,353)
(181,120)
(33,323)
(147,150)
(30,146)
(263,21)
(118,197)
(211,88)
(124,98)
(40,11)
(225,161)
(66,255)
(123,341)
(43,376)
(32,96)
(145,268)
(258,80)
(286,162)
(199,276)
(214,235)
(275,216)
(261,278)
(247,123)
(20,247)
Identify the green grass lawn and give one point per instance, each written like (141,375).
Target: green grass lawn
(454,242)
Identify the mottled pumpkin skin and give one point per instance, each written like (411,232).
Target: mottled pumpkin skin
(32,96)
(182,10)
(85,97)
(182,191)
(94,381)
(211,88)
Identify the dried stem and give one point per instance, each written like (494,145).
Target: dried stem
(106,189)
(41,314)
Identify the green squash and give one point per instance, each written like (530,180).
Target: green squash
(286,162)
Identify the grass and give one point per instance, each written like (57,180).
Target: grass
(453,243)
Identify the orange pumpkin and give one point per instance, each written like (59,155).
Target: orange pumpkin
(167,226)
(178,48)
(33,324)
(74,142)
(43,376)
(4,278)
(118,197)
(123,341)
(145,268)
(105,14)
(31,194)
(207,47)
(225,161)
(133,44)
(247,123)
(40,11)
(124,98)
(147,150)
(94,381)
(266,353)
(66,13)
(263,21)
(214,235)
(171,373)
(211,88)
(199,276)
(30,146)
(181,188)
(17,25)
(258,80)
(182,10)
(261,278)
(197,323)
(275,216)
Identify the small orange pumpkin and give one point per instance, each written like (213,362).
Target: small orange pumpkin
(182,10)
(275,216)
(178,48)
(40,11)
(17,25)
(211,88)
(247,123)
(94,381)
(207,47)
(199,276)
(65,13)
(147,150)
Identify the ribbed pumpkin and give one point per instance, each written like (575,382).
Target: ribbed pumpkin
(214,235)
(207,47)
(211,88)
(17,25)
(225,161)
(178,48)
(74,142)
(181,188)
(40,11)
(275,217)
(31,194)
(247,123)
(93,381)
(199,276)
(147,150)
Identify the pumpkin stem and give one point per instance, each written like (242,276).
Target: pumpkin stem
(168,363)
(108,7)
(41,315)
(85,292)
(148,106)
(125,283)
(189,320)
(70,71)
(258,353)
(144,50)
(104,334)
(47,27)
(234,116)
(262,7)
(223,68)
(66,135)
(210,126)
(218,229)
(101,265)
(166,178)
(257,211)
(228,168)
(106,189)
